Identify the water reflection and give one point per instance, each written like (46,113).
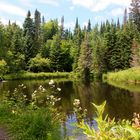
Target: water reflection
(120,103)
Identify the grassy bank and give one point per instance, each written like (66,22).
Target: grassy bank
(129,76)
(41,75)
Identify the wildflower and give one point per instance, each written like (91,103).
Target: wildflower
(51,82)
(76,102)
(59,89)
(24,96)
(33,95)
(40,87)
(13,111)
(51,97)
(58,99)
(43,89)
(35,92)
(80,108)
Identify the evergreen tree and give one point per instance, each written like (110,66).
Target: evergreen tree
(89,26)
(118,24)
(125,18)
(37,22)
(38,37)
(135,13)
(85,58)
(29,35)
(55,54)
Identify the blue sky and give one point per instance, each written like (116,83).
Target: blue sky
(95,10)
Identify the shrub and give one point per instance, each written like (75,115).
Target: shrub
(39,64)
(3,67)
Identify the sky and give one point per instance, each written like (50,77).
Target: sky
(95,10)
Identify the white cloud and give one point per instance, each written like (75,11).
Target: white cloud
(72,8)
(117,12)
(99,5)
(28,3)
(12,9)
(50,2)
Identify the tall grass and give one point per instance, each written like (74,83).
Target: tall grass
(131,75)
(41,75)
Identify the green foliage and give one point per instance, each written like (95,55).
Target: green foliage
(3,67)
(135,13)
(39,64)
(109,129)
(109,47)
(24,119)
(85,57)
(50,29)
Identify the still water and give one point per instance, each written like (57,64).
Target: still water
(120,103)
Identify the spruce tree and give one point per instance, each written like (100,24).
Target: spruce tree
(85,58)
(29,35)
(89,26)
(135,13)
(55,54)
(125,19)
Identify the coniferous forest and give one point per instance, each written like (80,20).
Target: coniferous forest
(40,46)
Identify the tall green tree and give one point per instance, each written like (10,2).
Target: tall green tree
(135,13)
(30,49)
(89,26)
(55,54)
(85,58)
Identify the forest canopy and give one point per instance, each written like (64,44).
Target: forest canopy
(41,46)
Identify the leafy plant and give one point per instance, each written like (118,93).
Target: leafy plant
(109,129)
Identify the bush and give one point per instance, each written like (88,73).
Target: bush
(3,67)
(39,64)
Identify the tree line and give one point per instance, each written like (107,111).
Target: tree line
(41,46)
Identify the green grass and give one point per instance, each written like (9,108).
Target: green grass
(30,125)
(130,76)
(41,75)
(127,79)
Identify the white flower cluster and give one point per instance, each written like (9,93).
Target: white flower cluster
(76,102)
(51,82)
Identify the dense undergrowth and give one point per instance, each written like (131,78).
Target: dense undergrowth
(33,119)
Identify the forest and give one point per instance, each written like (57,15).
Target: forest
(40,46)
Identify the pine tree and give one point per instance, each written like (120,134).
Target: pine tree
(85,58)
(37,22)
(135,13)
(125,19)
(118,24)
(38,37)
(29,35)
(55,54)
(62,28)
(89,26)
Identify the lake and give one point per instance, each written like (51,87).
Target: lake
(120,103)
